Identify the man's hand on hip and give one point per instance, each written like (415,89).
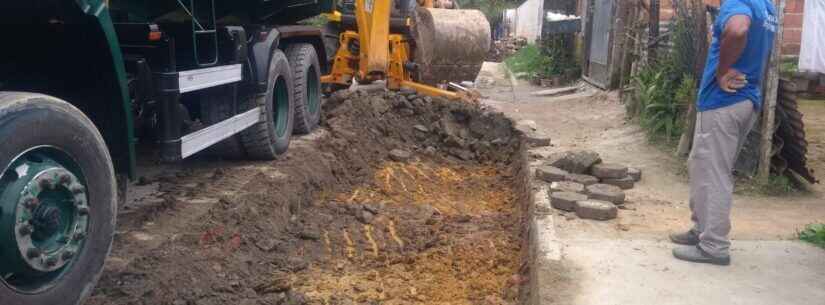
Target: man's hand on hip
(732,80)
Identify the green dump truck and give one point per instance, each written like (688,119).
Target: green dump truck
(82,82)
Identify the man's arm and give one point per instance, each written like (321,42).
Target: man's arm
(733,43)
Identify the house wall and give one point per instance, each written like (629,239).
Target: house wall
(528,20)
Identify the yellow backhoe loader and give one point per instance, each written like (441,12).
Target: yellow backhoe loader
(426,45)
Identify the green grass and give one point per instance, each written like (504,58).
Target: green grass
(775,186)
(528,62)
(815,234)
(317,21)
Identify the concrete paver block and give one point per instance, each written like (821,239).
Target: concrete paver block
(582,178)
(596,209)
(624,183)
(577,162)
(634,173)
(400,155)
(566,186)
(566,201)
(550,174)
(606,192)
(608,170)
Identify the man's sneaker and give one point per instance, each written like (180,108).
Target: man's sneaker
(688,238)
(697,255)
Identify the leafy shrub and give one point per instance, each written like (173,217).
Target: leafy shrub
(529,62)
(658,105)
(815,234)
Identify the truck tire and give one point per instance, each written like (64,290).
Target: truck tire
(216,106)
(269,138)
(307,75)
(57,201)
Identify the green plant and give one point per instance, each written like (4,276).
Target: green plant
(549,58)
(658,105)
(815,234)
(559,49)
(317,21)
(788,66)
(528,62)
(774,186)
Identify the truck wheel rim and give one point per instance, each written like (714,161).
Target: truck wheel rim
(313,91)
(281,107)
(44,218)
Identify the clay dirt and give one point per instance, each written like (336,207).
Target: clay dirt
(336,220)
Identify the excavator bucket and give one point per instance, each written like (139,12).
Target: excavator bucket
(449,44)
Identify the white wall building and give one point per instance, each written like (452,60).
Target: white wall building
(526,20)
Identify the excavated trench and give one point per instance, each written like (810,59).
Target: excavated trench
(399,199)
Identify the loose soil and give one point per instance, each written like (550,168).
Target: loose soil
(335,221)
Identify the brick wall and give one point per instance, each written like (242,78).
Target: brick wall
(792,33)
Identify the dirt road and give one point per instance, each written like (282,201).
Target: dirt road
(397,200)
(627,260)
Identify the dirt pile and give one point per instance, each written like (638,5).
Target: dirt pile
(403,199)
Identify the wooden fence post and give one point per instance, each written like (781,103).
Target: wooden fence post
(699,12)
(653,31)
(769,98)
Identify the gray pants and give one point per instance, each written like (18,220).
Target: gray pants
(719,136)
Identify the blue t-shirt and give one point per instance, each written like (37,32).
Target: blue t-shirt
(753,60)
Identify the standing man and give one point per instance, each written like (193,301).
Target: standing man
(729,103)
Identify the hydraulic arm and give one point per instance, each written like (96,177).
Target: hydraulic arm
(373,52)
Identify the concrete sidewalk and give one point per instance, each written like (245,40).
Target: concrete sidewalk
(628,260)
(630,271)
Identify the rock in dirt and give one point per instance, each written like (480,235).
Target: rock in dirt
(421,128)
(566,201)
(310,234)
(379,105)
(267,245)
(450,128)
(462,154)
(550,174)
(609,170)
(365,217)
(295,298)
(296,264)
(400,155)
(596,209)
(374,208)
(624,183)
(537,139)
(339,96)
(606,192)
(582,178)
(576,162)
(634,173)
(566,186)
(533,136)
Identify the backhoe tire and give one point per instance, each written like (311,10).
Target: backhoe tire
(55,154)
(216,106)
(307,75)
(269,138)
(331,35)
